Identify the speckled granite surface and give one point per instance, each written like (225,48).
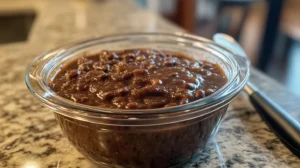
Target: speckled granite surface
(29,134)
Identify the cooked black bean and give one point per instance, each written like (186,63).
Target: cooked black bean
(140,82)
(106,95)
(140,58)
(82,60)
(199,94)
(85,66)
(195,80)
(174,75)
(138,72)
(152,67)
(178,81)
(129,57)
(207,66)
(132,105)
(72,74)
(123,91)
(120,102)
(209,91)
(105,67)
(170,62)
(127,75)
(196,64)
(112,56)
(156,82)
(190,86)
(184,100)
(96,75)
(150,91)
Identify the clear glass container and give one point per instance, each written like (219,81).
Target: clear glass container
(162,137)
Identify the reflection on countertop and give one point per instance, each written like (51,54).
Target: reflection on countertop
(29,134)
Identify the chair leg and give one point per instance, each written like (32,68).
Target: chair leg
(286,48)
(267,47)
(242,23)
(186,12)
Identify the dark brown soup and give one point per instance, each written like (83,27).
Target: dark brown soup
(137,79)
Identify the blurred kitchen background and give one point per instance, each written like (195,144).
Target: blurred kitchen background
(269,30)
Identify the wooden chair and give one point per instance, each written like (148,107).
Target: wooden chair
(290,23)
(243,9)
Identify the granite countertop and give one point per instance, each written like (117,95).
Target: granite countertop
(29,133)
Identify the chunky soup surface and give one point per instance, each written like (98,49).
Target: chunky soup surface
(137,79)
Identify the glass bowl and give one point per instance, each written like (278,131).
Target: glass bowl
(162,137)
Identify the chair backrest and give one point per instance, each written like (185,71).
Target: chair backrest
(290,22)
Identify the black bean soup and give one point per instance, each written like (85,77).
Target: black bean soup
(137,79)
